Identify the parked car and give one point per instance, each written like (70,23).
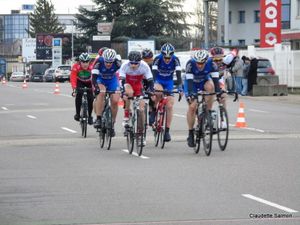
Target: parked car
(49,75)
(62,73)
(264,67)
(37,71)
(17,76)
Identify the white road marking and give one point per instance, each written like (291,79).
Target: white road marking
(67,129)
(178,115)
(269,203)
(4,108)
(255,129)
(135,154)
(31,117)
(256,110)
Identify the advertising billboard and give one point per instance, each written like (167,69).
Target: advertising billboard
(28,49)
(270,23)
(44,46)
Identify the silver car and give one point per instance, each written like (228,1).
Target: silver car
(17,76)
(62,73)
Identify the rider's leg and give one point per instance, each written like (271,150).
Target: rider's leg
(128,93)
(191,115)
(209,87)
(100,104)
(114,98)
(169,108)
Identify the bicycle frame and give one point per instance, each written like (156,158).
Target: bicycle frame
(84,110)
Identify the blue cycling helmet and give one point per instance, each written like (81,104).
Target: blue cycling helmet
(147,53)
(167,50)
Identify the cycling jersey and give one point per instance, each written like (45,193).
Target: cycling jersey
(135,77)
(106,76)
(78,73)
(199,76)
(165,71)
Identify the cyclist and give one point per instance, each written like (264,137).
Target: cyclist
(132,74)
(81,77)
(107,80)
(198,78)
(217,54)
(164,66)
(147,56)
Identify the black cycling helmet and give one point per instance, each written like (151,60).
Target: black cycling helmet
(134,56)
(147,53)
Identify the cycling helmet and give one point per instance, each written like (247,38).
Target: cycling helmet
(109,55)
(147,53)
(217,52)
(101,50)
(167,50)
(227,60)
(200,56)
(134,56)
(84,57)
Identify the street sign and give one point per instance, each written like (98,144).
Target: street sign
(104,28)
(101,38)
(56,52)
(139,45)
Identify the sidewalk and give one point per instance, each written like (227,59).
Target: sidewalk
(291,98)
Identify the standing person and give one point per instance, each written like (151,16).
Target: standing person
(246,67)
(235,66)
(81,77)
(107,80)
(198,78)
(252,75)
(164,66)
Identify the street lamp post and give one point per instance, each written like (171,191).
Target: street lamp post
(206,25)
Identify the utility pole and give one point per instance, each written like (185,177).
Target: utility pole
(206,24)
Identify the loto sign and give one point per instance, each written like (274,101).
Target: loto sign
(270,22)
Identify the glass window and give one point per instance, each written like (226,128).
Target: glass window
(242,42)
(242,17)
(286,14)
(256,16)
(229,17)
(298,7)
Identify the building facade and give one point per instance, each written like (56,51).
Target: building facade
(239,22)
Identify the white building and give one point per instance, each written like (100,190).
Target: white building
(239,22)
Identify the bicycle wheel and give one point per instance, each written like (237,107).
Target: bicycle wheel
(83,119)
(157,128)
(102,132)
(207,132)
(223,127)
(108,126)
(146,120)
(130,133)
(197,135)
(163,128)
(139,133)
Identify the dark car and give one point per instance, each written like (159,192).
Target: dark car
(49,75)
(264,67)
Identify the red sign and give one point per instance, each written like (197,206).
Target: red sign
(270,22)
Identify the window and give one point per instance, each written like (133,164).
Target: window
(257,16)
(256,41)
(298,7)
(229,42)
(242,17)
(242,42)
(229,17)
(286,14)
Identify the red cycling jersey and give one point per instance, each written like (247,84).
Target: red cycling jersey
(78,73)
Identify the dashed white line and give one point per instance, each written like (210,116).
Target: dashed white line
(269,203)
(256,110)
(135,154)
(69,130)
(4,108)
(31,117)
(178,115)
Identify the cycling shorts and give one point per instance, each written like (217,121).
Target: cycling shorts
(168,85)
(197,86)
(110,84)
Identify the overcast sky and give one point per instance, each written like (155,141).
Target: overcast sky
(63,6)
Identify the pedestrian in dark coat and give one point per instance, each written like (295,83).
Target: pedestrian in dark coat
(252,75)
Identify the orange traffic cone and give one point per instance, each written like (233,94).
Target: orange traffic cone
(24,84)
(241,121)
(121,103)
(3,80)
(56,90)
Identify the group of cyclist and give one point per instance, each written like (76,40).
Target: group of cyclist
(142,72)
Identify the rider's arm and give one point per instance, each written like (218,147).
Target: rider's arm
(189,77)
(155,67)
(73,76)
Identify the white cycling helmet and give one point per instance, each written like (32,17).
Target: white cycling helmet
(109,55)
(200,56)
(227,60)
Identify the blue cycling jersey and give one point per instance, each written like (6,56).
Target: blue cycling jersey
(105,72)
(166,70)
(198,75)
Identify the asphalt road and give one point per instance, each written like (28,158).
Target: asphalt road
(49,174)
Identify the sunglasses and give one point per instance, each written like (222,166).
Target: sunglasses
(167,58)
(85,61)
(217,60)
(134,63)
(108,62)
(200,63)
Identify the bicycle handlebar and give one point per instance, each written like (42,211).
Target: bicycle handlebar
(166,92)
(236,95)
